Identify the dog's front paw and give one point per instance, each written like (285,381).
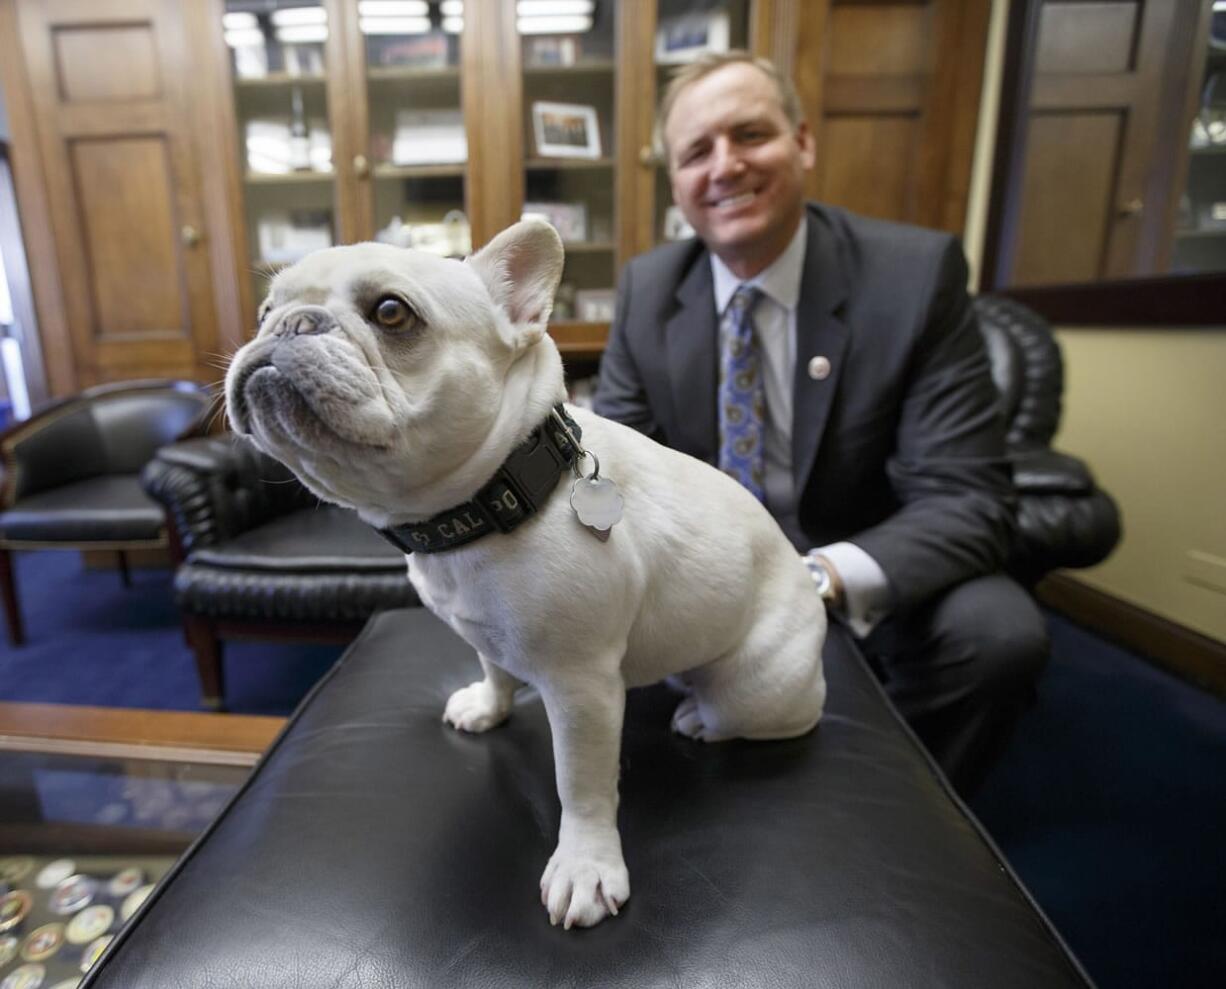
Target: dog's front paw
(583,884)
(687,721)
(476,708)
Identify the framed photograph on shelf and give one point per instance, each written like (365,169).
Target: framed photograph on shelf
(429,137)
(568,219)
(250,61)
(676,226)
(565,130)
(303,60)
(319,139)
(286,237)
(425,51)
(548,49)
(268,147)
(594,305)
(683,39)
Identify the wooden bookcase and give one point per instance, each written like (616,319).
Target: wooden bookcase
(130,159)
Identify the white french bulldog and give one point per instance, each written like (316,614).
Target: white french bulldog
(397,383)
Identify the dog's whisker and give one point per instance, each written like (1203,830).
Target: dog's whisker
(265,269)
(216,417)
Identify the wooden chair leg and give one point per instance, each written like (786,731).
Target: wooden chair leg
(12,609)
(207,649)
(124,574)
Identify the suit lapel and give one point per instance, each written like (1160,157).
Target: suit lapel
(693,371)
(820,332)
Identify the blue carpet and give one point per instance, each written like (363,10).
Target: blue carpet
(1110,803)
(90,640)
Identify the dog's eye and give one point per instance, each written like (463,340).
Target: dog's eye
(262,312)
(392,314)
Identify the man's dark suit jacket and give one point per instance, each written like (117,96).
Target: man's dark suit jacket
(900,450)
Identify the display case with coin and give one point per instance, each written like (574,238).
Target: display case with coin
(83,843)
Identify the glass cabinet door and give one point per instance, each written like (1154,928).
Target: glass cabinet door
(569,85)
(686,29)
(1200,231)
(418,150)
(285,139)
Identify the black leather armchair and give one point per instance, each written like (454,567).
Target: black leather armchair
(71,474)
(259,556)
(1065,519)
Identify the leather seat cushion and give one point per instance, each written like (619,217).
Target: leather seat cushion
(323,539)
(1042,470)
(110,508)
(375,846)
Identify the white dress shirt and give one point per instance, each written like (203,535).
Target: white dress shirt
(865,587)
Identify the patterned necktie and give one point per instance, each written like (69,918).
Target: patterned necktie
(742,398)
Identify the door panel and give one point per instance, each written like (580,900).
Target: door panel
(883,39)
(99,64)
(135,285)
(106,79)
(866,164)
(1070,175)
(1086,38)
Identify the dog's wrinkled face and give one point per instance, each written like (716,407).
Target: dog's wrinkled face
(376,368)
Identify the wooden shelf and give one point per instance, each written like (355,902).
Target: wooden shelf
(566,164)
(279,79)
(1218,234)
(401,73)
(420,171)
(289,178)
(579,340)
(596,67)
(588,247)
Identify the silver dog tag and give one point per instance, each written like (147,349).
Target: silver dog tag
(598,504)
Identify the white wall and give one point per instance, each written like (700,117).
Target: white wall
(985,141)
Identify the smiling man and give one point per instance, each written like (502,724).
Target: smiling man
(832,363)
(737,158)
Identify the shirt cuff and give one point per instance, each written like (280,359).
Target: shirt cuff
(866,589)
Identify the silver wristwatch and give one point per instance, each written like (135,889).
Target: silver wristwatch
(821,577)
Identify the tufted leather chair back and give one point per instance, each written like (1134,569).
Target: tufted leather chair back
(1026,367)
(1064,518)
(108,429)
(218,487)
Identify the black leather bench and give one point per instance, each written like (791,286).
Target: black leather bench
(375,847)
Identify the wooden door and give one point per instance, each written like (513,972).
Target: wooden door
(107,81)
(891,89)
(1083,201)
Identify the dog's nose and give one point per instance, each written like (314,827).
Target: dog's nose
(306,319)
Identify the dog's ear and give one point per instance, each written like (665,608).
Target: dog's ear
(521,268)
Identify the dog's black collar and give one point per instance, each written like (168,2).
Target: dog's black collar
(517,491)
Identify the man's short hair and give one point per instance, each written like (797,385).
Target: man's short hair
(703,66)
